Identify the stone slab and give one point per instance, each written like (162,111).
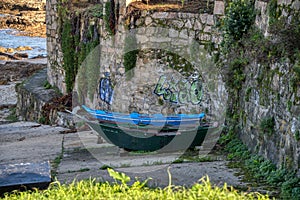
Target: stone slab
(24,176)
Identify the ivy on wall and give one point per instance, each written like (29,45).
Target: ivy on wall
(110,17)
(68,49)
(76,47)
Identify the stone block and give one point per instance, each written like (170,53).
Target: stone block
(141,38)
(148,21)
(210,20)
(173,33)
(183,34)
(160,15)
(203,18)
(172,15)
(219,8)
(296,5)
(207,29)
(197,25)
(178,23)
(24,176)
(205,37)
(188,24)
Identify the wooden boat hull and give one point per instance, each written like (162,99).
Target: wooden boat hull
(136,139)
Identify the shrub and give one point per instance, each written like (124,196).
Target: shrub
(239,17)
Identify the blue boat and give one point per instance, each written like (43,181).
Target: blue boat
(157,120)
(140,132)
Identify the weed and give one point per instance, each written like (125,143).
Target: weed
(47,85)
(55,163)
(13,115)
(104,167)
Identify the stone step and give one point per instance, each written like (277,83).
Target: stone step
(24,176)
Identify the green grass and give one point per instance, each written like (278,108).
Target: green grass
(90,189)
(80,170)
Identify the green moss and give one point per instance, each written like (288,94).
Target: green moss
(47,85)
(289,105)
(296,69)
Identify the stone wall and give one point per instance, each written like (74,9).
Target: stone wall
(34,102)
(55,70)
(269,92)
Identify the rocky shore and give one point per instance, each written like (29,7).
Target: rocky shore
(27,16)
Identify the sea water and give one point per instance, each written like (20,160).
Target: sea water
(9,39)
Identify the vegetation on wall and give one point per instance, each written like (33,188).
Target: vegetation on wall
(110,17)
(75,47)
(244,44)
(130,54)
(97,11)
(239,18)
(68,49)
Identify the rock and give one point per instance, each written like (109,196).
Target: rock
(10,50)
(3,49)
(39,57)
(23,48)
(21,55)
(3,82)
(6,56)
(3,58)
